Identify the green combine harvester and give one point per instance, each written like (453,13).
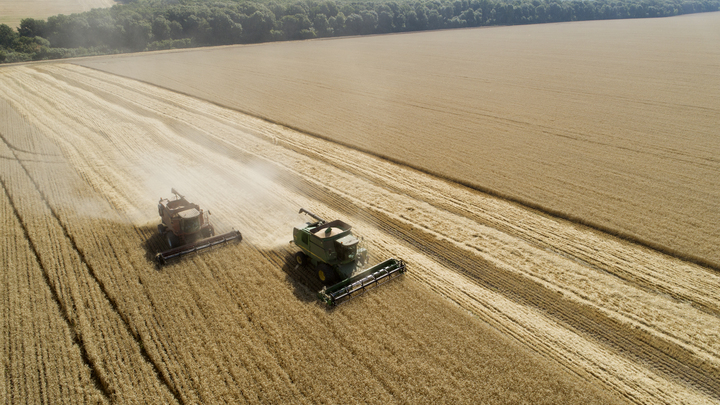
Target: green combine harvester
(337,257)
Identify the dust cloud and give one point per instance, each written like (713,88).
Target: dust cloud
(226,188)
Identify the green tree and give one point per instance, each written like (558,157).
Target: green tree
(258,26)
(29,45)
(293,26)
(354,24)
(385,21)
(327,8)
(161,28)
(456,22)
(469,17)
(30,27)
(136,33)
(321,25)
(176,30)
(422,16)
(7,36)
(223,29)
(399,20)
(370,21)
(338,23)
(435,20)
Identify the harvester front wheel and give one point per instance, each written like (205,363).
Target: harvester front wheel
(362,259)
(172,240)
(208,232)
(301,258)
(326,274)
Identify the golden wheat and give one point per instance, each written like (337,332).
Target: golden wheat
(502,304)
(236,324)
(608,123)
(12,12)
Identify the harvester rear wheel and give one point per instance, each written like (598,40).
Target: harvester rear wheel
(326,274)
(301,258)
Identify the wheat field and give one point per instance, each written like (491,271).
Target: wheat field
(13,11)
(501,304)
(560,137)
(613,124)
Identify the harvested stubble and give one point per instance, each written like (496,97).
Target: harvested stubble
(232,325)
(235,324)
(608,123)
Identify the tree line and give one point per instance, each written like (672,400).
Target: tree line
(141,25)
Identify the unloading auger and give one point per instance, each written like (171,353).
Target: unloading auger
(338,259)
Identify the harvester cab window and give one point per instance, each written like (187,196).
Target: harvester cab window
(190,225)
(346,247)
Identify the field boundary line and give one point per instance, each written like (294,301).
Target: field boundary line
(477,187)
(113,304)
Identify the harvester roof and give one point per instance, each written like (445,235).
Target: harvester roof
(188,213)
(180,205)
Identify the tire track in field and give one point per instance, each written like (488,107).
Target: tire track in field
(140,346)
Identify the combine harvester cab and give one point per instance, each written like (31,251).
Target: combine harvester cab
(187,229)
(338,259)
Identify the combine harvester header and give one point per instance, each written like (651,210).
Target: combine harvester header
(338,259)
(365,280)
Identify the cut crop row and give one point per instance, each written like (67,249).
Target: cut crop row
(109,348)
(230,325)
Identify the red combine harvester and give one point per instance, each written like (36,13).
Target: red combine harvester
(187,228)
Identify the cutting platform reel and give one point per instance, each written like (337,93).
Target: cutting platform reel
(361,282)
